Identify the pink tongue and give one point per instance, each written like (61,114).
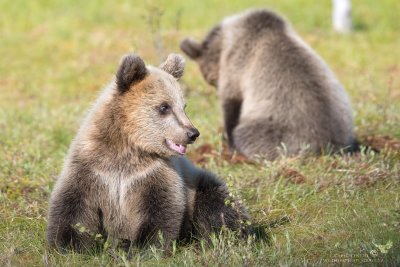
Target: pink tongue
(181,149)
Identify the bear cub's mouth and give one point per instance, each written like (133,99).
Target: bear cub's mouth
(179,148)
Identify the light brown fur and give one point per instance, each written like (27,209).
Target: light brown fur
(121,178)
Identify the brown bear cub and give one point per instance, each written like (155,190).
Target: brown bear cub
(125,178)
(277,95)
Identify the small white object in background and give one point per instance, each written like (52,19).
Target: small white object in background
(341,16)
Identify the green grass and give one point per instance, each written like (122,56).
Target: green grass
(56,56)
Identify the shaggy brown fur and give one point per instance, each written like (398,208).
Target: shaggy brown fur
(277,95)
(124,178)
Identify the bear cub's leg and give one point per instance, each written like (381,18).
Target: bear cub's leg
(231,110)
(258,138)
(215,208)
(71,223)
(210,205)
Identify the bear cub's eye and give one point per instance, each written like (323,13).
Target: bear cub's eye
(164,109)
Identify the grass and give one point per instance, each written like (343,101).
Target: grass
(57,55)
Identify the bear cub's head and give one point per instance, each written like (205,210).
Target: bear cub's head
(151,106)
(238,37)
(206,54)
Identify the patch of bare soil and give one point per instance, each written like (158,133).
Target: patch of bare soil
(206,152)
(292,176)
(380,142)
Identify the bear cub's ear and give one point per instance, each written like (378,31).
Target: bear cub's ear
(131,70)
(174,65)
(191,48)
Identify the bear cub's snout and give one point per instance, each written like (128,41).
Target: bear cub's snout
(192,134)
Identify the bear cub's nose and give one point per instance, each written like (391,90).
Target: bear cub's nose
(193,134)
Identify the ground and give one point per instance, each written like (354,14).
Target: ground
(57,55)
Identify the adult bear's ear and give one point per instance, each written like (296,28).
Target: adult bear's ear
(174,65)
(191,48)
(131,70)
